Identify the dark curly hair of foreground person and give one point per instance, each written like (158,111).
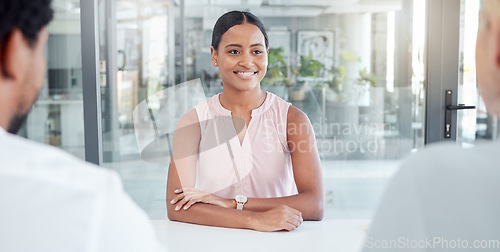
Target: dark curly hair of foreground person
(29,16)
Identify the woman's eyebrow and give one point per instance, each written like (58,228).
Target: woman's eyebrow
(238,45)
(258,44)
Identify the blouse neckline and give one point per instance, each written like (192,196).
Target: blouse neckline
(255,112)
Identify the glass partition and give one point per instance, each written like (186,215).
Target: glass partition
(356,68)
(137,50)
(57,116)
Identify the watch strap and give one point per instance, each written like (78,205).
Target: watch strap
(239,205)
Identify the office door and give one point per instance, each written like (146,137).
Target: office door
(454,108)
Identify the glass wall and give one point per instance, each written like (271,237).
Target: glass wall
(355,68)
(137,50)
(57,117)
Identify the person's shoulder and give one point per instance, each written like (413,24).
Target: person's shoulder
(296,115)
(188,119)
(276,101)
(52,166)
(446,152)
(446,157)
(203,110)
(430,151)
(15,146)
(210,101)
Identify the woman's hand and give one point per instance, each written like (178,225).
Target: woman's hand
(188,196)
(279,218)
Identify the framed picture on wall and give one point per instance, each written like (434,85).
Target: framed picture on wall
(319,44)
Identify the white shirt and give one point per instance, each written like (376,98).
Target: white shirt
(51,201)
(445,194)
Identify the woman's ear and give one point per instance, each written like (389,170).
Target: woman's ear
(213,52)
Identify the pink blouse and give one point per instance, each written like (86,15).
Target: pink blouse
(259,167)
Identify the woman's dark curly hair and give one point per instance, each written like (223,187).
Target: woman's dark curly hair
(29,16)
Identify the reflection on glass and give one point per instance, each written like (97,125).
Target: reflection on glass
(364,95)
(57,117)
(136,39)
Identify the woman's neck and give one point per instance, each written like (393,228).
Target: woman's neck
(242,101)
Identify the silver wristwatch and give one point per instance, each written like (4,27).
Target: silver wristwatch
(240,201)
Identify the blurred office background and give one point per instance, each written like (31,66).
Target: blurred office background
(363,70)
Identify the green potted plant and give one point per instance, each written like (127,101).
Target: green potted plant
(309,67)
(276,76)
(307,71)
(337,85)
(367,78)
(343,97)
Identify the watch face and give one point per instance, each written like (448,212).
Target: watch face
(241,198)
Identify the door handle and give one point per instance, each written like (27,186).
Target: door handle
(460,106)
(449,108)
(122,68)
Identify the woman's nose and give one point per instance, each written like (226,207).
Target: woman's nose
(246,61)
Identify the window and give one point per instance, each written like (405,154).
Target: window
(57,116)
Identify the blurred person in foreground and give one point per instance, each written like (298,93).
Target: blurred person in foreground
(50,200)
(445,197)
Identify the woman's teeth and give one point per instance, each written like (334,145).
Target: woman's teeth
(245,73)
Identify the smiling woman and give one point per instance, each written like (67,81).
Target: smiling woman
(232,152)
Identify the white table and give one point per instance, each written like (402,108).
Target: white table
(326,235)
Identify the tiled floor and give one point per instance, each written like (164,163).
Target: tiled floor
(352,188)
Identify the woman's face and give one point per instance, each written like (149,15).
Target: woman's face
(241,57)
